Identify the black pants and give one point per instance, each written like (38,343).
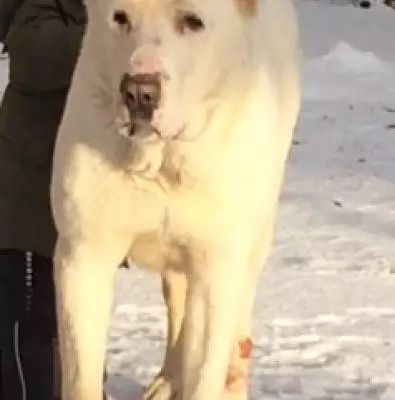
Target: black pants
(27,328)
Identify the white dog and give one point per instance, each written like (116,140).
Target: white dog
(171,152)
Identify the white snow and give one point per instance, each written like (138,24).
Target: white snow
(325,308)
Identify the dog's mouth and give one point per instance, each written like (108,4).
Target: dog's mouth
(140,129)
(136,129)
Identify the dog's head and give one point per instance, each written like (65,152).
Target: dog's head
(167,60)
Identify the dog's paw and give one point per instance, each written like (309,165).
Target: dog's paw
(161,389)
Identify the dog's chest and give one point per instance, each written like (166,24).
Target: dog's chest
(183,222)
(163,247)
(186,213)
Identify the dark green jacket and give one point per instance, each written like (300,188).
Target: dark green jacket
(42,38)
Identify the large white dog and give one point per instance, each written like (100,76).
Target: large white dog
(172,152)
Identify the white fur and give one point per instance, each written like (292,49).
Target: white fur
(197,206)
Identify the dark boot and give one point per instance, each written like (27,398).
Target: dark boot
(28,328)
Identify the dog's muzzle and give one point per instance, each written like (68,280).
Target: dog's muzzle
(141,95)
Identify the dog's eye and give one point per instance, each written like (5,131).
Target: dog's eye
(122,20)
(189,22)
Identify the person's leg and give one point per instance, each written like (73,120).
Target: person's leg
(12,301)
(28,339)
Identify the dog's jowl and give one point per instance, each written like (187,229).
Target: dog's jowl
(171,153)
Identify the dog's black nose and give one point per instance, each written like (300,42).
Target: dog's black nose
(141,94)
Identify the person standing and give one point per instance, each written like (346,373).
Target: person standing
(42,39)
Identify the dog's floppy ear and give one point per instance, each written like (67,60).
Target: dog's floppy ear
(248,8)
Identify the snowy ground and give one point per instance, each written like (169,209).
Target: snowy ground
(325,309)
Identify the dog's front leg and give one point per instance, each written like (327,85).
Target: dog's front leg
(214,303)
(174,292)
(167,384)
(84,286)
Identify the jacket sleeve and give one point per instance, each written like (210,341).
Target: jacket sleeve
(7,11)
